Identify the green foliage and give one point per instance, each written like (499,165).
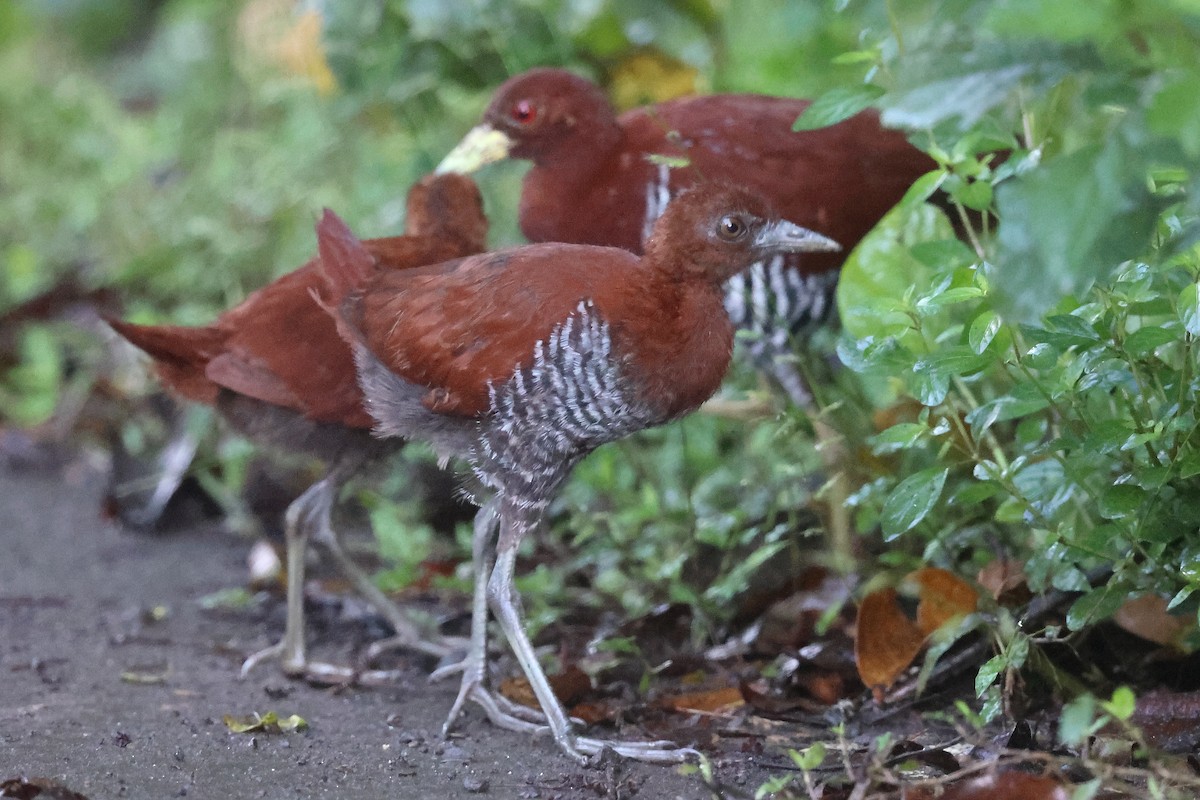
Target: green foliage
(1070,439)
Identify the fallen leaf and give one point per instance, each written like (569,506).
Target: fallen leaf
(264,723)
(943,596)
(1003,578)
(886,641)
(1000,786)
(711,701)
(1147,617)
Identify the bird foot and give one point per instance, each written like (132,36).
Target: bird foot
(503,713)
(439,647)
(317,672)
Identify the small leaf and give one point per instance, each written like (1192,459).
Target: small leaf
(983,330)
(1144,341)
(988,672)
(1078,720)
(836,105)
(1123,703)
(1121,500)
(912,500)
(810,757)
(1096,606)
(1189,308)
(898,437)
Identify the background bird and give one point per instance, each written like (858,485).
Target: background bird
(276,369)
(600,178)
(524,360)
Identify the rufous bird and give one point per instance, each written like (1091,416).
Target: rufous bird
(599,178)
(276,369)
(524,360)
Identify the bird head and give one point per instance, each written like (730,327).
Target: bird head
(716,231)
(447,206)
(532,115)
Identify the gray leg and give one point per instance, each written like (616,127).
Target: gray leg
(505,604)
(298,524)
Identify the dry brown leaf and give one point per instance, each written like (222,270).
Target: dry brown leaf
(1002,577)
(1147,617)
(1002,786)
(710,700)
(944,596)
(569,686)
(887,641)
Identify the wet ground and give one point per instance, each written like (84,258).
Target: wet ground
(114,681)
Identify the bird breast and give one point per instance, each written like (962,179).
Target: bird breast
(572,398)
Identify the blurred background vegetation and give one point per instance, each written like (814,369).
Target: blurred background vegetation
(1026,394)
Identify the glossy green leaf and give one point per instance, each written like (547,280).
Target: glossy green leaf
(912,500)
(1144,341)
(1189,308)
(1068,223)
(836,105)
(983,330)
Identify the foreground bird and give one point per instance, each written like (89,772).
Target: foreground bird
(524,360)
(599,178)
(277,370)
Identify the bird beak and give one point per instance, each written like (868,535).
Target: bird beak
(786,237)
(482,145)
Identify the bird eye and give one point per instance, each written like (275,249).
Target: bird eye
(524,112)
(731,228)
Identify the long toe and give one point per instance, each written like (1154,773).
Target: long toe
(657,752)
(266,654)
(438,647)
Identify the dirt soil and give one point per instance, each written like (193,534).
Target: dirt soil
(111,698)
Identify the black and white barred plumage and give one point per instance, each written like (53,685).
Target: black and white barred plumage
(546,417)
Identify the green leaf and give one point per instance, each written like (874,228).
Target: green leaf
(1174,111)
(988,672)
(911,501)
(1078,720)
(901,436)
(1189,308)
(1096,606)
(1122,705)
(809,758)
(1121,500)
(1144,341)
(836,105)
(880,271)
(1068,223)
(983,330)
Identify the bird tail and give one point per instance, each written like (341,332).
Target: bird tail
(180,354)
(346,265)
(345,261)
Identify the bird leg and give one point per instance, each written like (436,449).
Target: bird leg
(316,502)
(474,666)
(310,514)
(414,631)
(505,604)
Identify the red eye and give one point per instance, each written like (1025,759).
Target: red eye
(524,112)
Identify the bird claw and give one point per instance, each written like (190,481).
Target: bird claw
(503,713)
(442,647)
(317,672)
(655,752)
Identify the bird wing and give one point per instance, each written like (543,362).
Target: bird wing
(461,327)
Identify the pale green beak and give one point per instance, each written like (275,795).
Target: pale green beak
(482,145)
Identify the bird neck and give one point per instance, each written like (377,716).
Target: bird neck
(681,344)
